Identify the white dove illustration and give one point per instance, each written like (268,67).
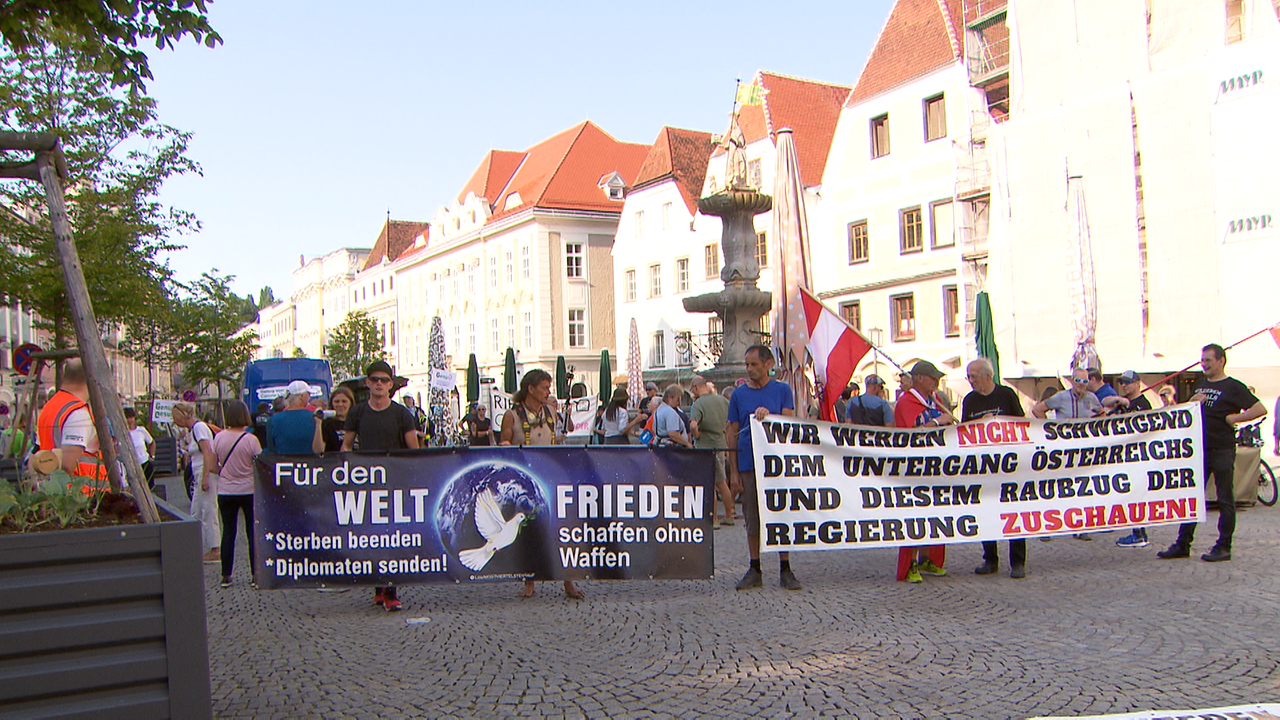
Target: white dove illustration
(498,532)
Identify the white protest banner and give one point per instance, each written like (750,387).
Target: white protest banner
(162,411)
(582,412)
(498,403)
(443,379)
(827,487)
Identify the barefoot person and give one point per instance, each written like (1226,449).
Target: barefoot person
(531,421)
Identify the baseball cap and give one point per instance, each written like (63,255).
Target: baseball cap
(651,386)
(379,366)
(874,380)
(298,387)
(924,367)
(1129,376)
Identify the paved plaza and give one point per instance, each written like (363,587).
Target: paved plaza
(1093,629)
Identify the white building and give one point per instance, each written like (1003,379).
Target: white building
(521,258)
(667,251)
(322,298)
(1159,116)
(890,261)
(373,290)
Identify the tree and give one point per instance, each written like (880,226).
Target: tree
(266,297)
(109,30)
(299,352)
(214,348)
(118,156)
(354,344)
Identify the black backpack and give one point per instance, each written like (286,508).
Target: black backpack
(860,414)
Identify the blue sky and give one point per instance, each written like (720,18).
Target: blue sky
(314,119)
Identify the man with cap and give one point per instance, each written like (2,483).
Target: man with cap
(918,407)
(648,403)
(1134,401)
(870,408)
(295,430)
(991,399)
(380,424)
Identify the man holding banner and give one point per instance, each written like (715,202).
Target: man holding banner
(990,399)
(918,407)
(760,397)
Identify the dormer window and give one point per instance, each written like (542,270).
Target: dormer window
(513,200)
(614,187)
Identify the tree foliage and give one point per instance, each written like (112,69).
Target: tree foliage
(213,350)
(108,30)
(354,344)
(266,296)
(119,156)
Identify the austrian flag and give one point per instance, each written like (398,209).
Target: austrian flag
(836,349)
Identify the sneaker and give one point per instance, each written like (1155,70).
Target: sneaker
(913,574)
(1017,572)
(988,567)
(226,581)
(726,520)
(926,567)
(1217,554)
(213,556)
(1082,536)
(1175,550)
(788,580)
(753,579)
(378,596)
(391,604)
(1133,540)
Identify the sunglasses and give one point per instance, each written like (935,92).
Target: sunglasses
(379,379)
(1079,381)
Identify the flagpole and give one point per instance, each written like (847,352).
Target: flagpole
(1166,378)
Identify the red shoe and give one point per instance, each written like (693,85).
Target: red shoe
(391,602)
(378,597)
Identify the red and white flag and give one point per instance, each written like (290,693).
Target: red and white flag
(1275,333)
(836,349)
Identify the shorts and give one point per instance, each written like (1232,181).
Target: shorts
(750,503)
(719,459)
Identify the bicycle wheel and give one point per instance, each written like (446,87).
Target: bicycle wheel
(1267,490)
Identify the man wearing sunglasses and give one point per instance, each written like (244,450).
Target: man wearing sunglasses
(1077,402)
(377,425)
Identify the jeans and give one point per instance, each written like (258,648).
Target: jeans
(1017,552)
(228,506)
(1221,464)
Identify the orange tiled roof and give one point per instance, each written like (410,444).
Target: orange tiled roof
(919,36)
(395,238)
(680,155)
(810,108)
(562,172)
(493,174)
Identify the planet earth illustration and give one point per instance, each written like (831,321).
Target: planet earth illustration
(516,491)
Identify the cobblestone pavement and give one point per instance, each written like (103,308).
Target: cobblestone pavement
(1093,629)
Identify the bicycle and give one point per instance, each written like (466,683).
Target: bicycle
(1250,435)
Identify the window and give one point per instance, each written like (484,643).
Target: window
(711,256)
(494,340)
(942,226)
(457,336)
(511,330)
(951,311)
(762,249)
(666,216)
(903,313)
(383,284)
(511,269)
(935,118)
(851,312)
(393,332)
(524,262)
(383,335)
(577,328)
(573,260)
(859,242)
(528,329)
(471,280)
(910,230)
(684,348)
(391,281)
(493,271)
(880,136)
(657,350)
(471,337)
(682,275)
(1235,21)
(630,284)
(639,223)
(655,281)
(456,293)
(755,176)
(355,297)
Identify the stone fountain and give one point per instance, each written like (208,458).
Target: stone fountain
(741,304)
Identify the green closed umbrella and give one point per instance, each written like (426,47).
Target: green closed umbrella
(985,333)
(510,383)
(473,380)
(606,377)
(562,378)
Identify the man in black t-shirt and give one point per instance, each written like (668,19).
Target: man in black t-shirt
(380,424)
(479,427)
(1132,400)
(990,399)
(1224,402)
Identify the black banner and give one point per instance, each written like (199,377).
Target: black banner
(477,514)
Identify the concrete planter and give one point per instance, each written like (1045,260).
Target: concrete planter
(104,622)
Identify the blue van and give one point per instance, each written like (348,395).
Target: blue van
(266,380)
